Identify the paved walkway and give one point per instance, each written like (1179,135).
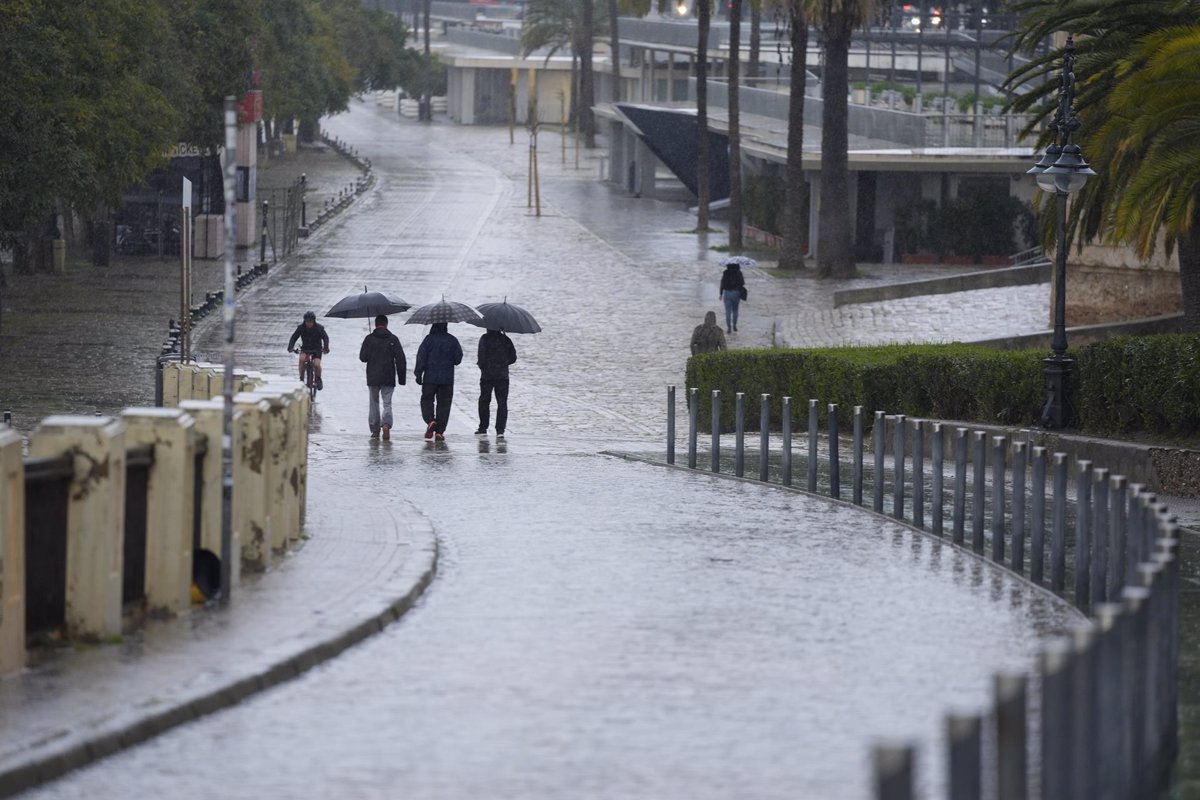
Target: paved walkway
(596,628)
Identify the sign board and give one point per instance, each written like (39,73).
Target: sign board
(250,109)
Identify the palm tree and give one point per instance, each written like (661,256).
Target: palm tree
(794,220)
(1110,53)
(704,14)
(558,24)
(735,122)
(838,19)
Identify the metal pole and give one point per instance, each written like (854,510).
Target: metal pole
(898,455)
(1011,747)
(857,491)
(938,491)
(1100,537)
(918,473)
(877,434)
(1037,524)
(716,430)
(670,424)
(1058,529)
(1116,541)
(1083,530)
(303,201)
(964,734)
(230,304)
(812,445)
(1058,745)
(693,414)
(835,482)
(999,448)
(764,437)
(893,772)
(960,486)
(977,509)
(262,248)
(786,414)
(739,437)
(1018,508)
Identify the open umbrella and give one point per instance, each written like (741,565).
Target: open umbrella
(506,317)
(442,311)
(739,262)
(367,304)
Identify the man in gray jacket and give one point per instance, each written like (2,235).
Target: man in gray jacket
(384,357)
(496,352)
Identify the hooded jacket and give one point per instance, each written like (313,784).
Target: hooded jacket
(708,338)
(384,357)
(732,278)
(437,356)
(496,352)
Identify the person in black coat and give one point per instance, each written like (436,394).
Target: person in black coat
(733,283)
(386,365)
(496,352)
(437,357)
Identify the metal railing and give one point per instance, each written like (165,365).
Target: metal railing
(1108,721)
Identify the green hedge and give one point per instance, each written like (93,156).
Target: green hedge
(1129,384)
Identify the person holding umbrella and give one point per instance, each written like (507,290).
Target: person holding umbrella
(733,288)
(386,365)
(437,357)
(496,353)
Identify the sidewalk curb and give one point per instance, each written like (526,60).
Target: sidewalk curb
(41,768)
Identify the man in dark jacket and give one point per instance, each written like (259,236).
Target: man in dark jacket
(386,365)
(496,352)
(437,357)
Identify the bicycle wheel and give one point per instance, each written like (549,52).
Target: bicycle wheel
(311,375)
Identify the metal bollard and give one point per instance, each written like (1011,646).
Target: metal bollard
(1037,523)
(898,456)
(857,477)
(670,421)
(716,430)
(1018,508)
(877,433)
(1058,528)
(1086,700)
(786,413)
(1111,719)
(977,507)
(739,438)
(893,772)
(918,473)
(764,437)
(960,486)
(1083,531)
(812,445)
(835,482)
(693,413)
(964,736)
(1116,536)
(1011,747)
(937,456)
(1058,732)
(1099,536)
(999,468)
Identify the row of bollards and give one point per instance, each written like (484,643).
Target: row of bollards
(346,196)
(1108,720)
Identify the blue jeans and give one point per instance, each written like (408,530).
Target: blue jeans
(732,298)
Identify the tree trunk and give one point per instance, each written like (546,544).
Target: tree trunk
(702,189)
(616,50)
(587,82)
(735,120)
(753,70)
(795,221)
(1189,277)
(835,257)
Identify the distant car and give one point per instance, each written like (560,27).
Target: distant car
(910,17)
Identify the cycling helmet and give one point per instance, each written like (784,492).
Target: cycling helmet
(310,315)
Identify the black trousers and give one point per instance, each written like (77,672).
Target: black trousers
(444,393)
(485,401)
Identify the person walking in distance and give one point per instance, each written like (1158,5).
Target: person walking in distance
(708,337)
(733,283)
(496,353)
(313,342)
(386,366)
(437,357)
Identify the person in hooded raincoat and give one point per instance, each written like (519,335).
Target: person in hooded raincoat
(386,365)
(708,338)
(496,353)
(732,284)
(437,357)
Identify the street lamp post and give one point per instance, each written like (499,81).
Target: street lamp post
(1061,170)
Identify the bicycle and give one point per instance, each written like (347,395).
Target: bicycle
(310,371)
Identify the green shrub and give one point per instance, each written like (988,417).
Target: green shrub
(1141,383)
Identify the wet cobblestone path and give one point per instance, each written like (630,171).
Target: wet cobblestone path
(598,628)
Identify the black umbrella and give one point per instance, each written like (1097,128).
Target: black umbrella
(506,317)
(442,311)
(367,304)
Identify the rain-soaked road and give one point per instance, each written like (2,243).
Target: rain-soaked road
(598,628)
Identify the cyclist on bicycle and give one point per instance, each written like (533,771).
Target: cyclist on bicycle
(313,342)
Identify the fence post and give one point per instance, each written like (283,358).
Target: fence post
(764,438)
(877,434)
(893,772)
(960,485)
(1111,720)
(918,473)
(980,490)
(857,475)
(937,456)
(716,430)
(1136,602)
(670,424)
(1018,508)
(965,767)
(1058,530)
(1168,552)
(999,465)
(898,464)
(1058,731)
(813,425)
(786,413)
(1083,530)
(739,435)
(12,552)
(1116,536)
(1099,536)
(1037,525)
(1011,747)
(835,475)
(693,414)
